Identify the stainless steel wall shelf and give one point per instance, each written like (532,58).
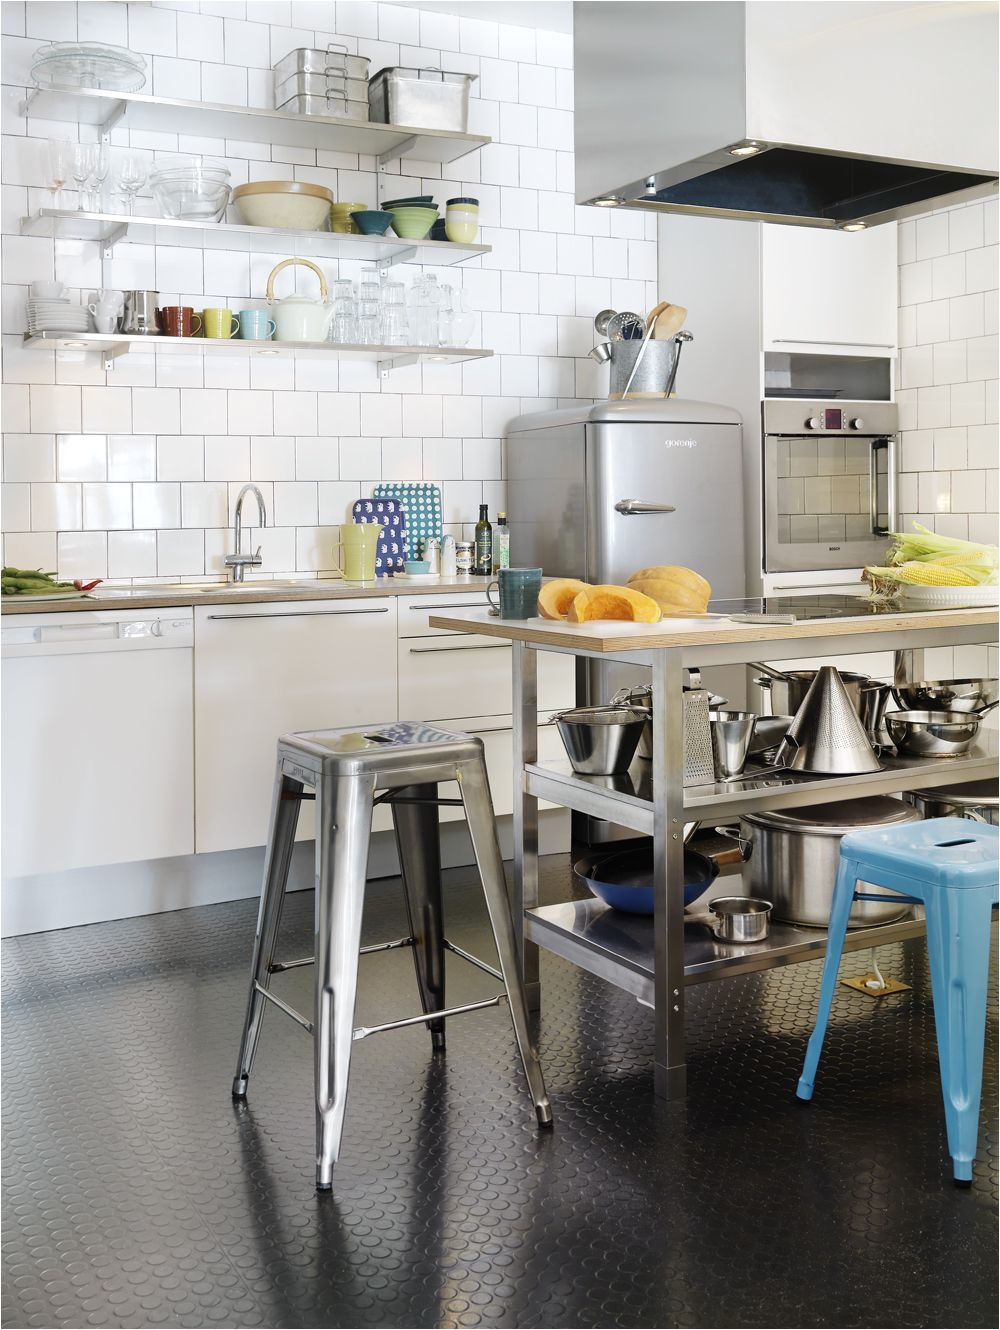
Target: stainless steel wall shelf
(109,229)
(386,143)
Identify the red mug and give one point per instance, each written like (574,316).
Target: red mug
(180,321)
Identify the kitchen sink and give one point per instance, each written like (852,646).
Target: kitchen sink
(275,587)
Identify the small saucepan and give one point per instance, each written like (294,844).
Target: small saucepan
(624,878)
(741,918)
(931,733)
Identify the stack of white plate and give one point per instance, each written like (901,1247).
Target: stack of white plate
(57,316)
(88,65)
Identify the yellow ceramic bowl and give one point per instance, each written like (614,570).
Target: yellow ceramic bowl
(340,217)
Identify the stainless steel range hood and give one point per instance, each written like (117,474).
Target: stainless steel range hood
(834,113)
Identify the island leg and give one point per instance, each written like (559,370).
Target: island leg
(670,1067)
(525,892)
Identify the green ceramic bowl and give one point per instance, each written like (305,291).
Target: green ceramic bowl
(413,223)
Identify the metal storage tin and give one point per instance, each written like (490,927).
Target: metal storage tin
(312,60)
(332,84)
(341,107)
(423,98)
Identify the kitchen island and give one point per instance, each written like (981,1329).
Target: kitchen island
(655,959)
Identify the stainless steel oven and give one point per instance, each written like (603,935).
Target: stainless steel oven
(829,483)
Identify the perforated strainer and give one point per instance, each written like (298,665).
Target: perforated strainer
(826,736)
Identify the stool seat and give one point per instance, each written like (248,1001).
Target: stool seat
(950,865)
(405,761)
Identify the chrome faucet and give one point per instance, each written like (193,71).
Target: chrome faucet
(238,561)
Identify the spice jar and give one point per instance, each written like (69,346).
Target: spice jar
(464,556)
(461,221)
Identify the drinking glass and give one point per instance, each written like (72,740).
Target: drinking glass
(344,326)
(82,166)
(463,320)
(99,173)
(132,174)
(368,322)
(395,324)
(60,158)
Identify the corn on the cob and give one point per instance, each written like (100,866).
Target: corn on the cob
(915,573)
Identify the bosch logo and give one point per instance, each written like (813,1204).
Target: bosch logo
(680,443)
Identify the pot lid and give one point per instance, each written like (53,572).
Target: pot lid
(283,187)
(836,819)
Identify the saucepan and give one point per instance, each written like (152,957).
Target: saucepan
(931,733)
(741,918)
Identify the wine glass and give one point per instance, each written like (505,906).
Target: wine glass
(81,167)
(60,155)
(132,174)
(99,173)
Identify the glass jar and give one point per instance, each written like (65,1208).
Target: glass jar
(464,556)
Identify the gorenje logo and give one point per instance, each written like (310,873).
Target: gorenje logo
(680,443)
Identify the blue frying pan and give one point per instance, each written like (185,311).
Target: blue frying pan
(624,878)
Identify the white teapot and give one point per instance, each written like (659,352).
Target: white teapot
(297,318)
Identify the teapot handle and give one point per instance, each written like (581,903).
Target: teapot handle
(324,290)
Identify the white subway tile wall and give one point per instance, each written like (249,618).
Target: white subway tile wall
(948,370)
(132,473)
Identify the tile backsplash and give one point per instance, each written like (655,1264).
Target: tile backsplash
(132,472)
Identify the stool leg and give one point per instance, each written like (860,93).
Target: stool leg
(958,949)
(475,790)
(840,909)
(343,832)
(419,843)
(280,841)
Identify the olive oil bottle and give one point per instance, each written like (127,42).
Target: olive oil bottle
(484,543)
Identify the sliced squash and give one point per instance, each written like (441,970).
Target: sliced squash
(613,602)
(673,587)
(556,596)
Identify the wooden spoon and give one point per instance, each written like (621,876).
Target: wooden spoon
(669,320)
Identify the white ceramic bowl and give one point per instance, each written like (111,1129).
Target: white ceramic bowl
(46,290)
(292,205)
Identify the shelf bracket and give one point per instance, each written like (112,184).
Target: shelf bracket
(385,367)
(397,256)
(110,354)
(400,150)
(112,238)
(105,128)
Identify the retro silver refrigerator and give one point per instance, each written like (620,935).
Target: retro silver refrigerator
(598,492)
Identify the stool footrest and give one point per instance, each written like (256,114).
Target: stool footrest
(283,1006)
(363,1031)
(473,960)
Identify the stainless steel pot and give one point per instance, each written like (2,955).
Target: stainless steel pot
(740,919)
(931,733)
(786,698)
(791,856)
(976,799)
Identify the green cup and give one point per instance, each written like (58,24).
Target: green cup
(219,323)
(517,590)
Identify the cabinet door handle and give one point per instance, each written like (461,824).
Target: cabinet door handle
(493,646)
(459,605)
(815,341)
(299,614)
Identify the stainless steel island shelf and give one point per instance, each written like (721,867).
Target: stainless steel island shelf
(656,958)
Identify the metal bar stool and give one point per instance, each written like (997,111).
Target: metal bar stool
(950,867)
(345,768)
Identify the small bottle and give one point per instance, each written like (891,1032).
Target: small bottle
(501,542)
(484,544)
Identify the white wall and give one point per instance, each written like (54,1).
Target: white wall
(948,370)
(132,474)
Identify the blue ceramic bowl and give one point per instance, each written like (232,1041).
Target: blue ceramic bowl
(372,222)
(624,878)
(417,566)
(404,203)
(437,230)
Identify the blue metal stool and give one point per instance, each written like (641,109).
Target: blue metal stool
(949,866)
(345,768)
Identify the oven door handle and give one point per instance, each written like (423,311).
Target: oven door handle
(882,445)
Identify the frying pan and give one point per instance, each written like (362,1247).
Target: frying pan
(624,878)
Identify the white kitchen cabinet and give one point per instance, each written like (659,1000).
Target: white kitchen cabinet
(262,671)
(98,751)
(823,289)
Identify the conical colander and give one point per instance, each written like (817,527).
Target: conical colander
(827,737)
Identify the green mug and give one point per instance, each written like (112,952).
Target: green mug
(219,323)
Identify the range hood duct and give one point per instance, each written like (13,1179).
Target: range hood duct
(835,113)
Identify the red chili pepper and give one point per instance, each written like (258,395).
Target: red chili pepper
(87,586)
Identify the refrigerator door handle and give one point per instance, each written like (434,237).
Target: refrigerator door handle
(638,507)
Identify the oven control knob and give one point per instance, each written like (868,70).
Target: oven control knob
(812,422)
(856,423)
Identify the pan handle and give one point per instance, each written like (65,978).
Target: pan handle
(744,842)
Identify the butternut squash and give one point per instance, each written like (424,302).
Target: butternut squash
(556,596)
(613,602)
(673,587)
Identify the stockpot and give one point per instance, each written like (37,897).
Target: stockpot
(976,799)
(791,856)
(787,697)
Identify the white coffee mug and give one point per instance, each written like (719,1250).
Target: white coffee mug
(106,322)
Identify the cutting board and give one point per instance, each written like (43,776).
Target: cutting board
(422,504)
(390,514)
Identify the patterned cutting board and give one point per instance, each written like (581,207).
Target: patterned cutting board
(422,503)
(391,553)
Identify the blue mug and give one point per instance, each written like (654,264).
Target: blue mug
(255,325)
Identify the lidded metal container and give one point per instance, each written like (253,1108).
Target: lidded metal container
(791,857)
(423,98)
(314,81)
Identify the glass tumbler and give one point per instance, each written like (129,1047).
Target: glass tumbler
(344,325)
(395,320)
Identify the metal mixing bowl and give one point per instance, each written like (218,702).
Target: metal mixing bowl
(931,733)
(600,741)
(948,694)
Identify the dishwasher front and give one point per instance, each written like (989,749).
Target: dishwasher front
(97,748)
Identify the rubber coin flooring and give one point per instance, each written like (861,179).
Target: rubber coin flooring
(136,1193)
